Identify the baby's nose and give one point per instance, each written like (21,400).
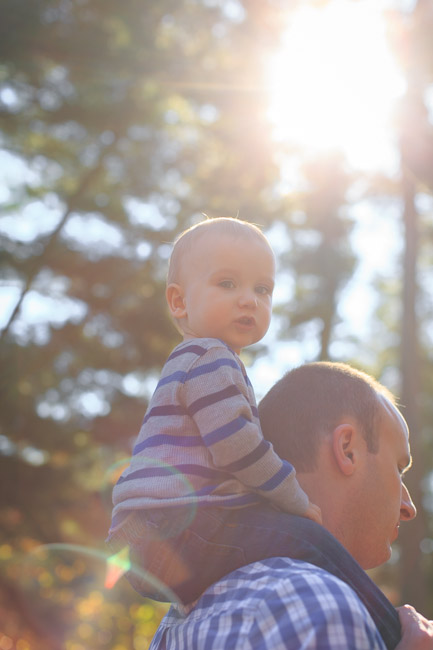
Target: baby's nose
(248,298)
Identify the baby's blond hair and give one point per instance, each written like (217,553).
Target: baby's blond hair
(217,225)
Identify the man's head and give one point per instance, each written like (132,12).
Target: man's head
(220,282)
(349,444)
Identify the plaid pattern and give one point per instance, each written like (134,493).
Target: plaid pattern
(277,604)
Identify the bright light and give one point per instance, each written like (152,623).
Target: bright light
(334,83)
(117,566)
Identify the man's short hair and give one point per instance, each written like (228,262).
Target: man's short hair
(230,226)
(309,402)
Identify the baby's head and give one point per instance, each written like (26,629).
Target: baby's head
(220,282)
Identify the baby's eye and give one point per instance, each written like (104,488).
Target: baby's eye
(263,290)
(226,284)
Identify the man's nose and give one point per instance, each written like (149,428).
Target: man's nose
(407,507)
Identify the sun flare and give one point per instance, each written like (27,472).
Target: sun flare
(334,83)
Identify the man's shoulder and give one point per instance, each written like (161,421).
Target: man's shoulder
(277,599)
(281,577)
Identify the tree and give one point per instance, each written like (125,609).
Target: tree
(124,123)
(416,145)
(320,253)
(120,125)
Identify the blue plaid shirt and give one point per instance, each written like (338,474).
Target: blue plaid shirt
(276,604)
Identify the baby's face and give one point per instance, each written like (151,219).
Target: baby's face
(227,288)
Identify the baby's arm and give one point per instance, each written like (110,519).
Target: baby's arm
(217,399)
(416,631)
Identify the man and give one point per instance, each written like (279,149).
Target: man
(349,444)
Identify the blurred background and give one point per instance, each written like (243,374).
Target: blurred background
(121,123)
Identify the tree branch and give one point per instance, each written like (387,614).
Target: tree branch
(85,183)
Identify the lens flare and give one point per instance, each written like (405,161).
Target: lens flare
(67,596)
(183,487)
(117,565)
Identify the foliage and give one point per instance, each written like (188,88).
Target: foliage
(120,125)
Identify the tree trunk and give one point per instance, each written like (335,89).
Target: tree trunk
(413,584)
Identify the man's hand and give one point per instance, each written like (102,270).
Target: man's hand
(417,631)
(313,512)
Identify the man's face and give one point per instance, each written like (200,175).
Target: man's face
(383,499)
(228,286)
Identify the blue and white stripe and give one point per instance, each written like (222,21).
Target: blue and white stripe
(201,442)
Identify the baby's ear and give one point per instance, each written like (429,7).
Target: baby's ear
(175,300)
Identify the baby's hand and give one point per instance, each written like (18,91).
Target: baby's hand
(314,513)
(416,631)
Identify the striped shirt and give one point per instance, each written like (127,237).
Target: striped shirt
(201,441)
(277,604)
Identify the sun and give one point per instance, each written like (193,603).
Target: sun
(333,84)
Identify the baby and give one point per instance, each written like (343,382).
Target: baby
(189,504)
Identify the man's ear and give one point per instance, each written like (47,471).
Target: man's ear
(175,300)
(344,445)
